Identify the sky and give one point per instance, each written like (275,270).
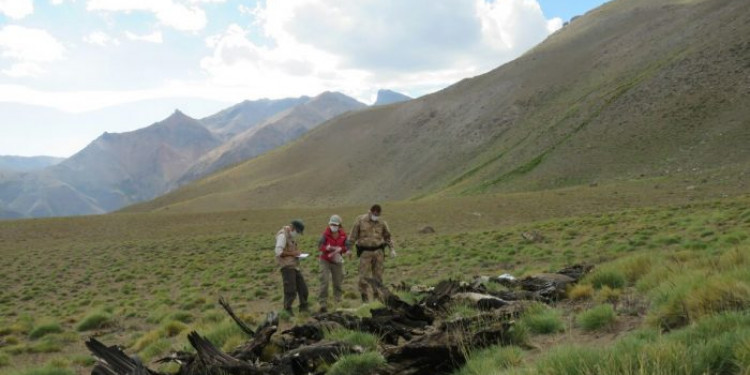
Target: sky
(81,56)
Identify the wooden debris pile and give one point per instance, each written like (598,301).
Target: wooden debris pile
(415,339)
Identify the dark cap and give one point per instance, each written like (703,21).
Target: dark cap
(376,208)
(298,225)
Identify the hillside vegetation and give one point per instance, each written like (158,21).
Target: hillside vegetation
(636,89)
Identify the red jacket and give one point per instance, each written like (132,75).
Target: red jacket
(327,240)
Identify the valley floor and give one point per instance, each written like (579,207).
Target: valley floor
(670,261)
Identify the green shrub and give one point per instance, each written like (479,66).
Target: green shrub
(45,329)
(543,321)
(606,277)
(596,318)
(95,320)
(365,363)
(489,360)
(570,360)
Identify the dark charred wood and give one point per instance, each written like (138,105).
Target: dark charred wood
(308,359)
(576,272)
(212,361)
(441,295)
(234,317)
(252,350)
(113,361)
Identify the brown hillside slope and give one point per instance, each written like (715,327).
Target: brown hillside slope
(635,88)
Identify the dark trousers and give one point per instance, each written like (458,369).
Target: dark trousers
(294,284)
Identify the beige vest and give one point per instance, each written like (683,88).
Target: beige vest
(291,245)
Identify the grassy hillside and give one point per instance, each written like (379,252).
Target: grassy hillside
(145,280)
(633,90)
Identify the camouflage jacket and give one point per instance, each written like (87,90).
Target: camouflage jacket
(368,233)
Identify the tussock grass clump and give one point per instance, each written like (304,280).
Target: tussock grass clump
(46,370)
(223,332)
(715,345)
(94,320)
(366,340)
(181,316)
(4,359)
(597,318)
(570,360)
(608,295)
(606,276)
(490,360)
(147,339)
(364,363)
(173,328)
(364,310)
(541,319)
(45,329)
(154,349)
(48,344)
(580,292)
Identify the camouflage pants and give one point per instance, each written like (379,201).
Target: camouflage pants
(370,266)
(334,272)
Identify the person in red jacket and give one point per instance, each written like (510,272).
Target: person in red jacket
(332,246)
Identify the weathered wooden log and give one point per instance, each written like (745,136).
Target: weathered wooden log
(445,350)
(111,360)
(308,359)
(413,312)
(234,317)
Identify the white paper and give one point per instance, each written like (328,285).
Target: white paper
(303,255)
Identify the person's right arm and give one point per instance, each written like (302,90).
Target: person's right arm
(354,234)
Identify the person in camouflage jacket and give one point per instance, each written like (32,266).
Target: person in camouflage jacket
(371,236)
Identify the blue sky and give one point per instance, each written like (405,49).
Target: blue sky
(79,56)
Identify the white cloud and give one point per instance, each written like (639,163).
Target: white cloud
(155,37)
(58,2)
(16,9)
(364,45)
(100,38)
(28,49)
(169,13)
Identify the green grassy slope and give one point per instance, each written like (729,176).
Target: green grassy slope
(145,280)
(635,89)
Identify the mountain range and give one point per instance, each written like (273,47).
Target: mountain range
(27,163)
(633,90)
(118,169)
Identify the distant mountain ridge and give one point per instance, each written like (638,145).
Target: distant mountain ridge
(118,169)
(275,131)
(27,163)
(634,89)
(389,97)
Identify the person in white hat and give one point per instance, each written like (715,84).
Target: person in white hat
(332,246)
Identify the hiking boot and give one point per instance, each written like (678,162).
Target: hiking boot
(289,311)
(304,309)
